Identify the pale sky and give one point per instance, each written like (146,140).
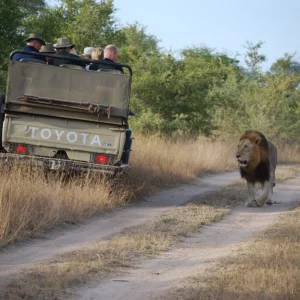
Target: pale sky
(225,25)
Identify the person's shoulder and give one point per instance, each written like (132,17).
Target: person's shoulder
(74,55)
(30,48)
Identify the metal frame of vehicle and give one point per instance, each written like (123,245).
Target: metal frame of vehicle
(51,110)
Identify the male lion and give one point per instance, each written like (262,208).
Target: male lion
(257,160)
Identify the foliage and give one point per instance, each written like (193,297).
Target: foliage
(137,44)
(253,58)
(85,22)
(201,91)
(12,15)
(286,64)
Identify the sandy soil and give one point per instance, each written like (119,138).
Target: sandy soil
(153,278)
(22,255)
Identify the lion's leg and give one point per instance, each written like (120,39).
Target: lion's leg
(271,185)
(265,193)
(251,195)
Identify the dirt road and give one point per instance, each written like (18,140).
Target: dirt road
(153,278)
(22,255)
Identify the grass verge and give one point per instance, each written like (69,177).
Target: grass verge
(31,203)
(47,280)
(265,268)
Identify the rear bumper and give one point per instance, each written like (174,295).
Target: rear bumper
(61,164)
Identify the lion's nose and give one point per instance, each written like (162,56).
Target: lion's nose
(237,156)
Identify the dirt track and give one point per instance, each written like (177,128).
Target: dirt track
(151,279)
(13,258)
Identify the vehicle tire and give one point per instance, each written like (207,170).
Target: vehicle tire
(2,101)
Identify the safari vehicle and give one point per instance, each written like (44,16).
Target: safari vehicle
(65,117)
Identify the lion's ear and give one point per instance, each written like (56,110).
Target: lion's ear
(257,140)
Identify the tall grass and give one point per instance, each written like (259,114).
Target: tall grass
(31,202)
(265,268)
(159,162)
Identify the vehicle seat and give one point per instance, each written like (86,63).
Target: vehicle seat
(38,61)
(110,71)
(70,66)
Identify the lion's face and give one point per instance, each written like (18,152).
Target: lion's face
(248,153)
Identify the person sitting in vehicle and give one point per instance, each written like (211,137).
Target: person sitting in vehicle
(96,54)
(63,48)
(48,48)
(33,43)
(87,52)
(111,53)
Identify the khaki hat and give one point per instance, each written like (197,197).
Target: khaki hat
(35,36)
(87,51)
(47,48)
(63,43)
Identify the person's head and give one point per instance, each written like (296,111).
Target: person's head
(63,44)
(111,52)
(98,53)
(47,49)
(35,40)
(73,51)
(87,52)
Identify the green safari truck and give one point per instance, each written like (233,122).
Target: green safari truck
(66,117)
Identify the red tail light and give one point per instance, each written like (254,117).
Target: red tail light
(101,159)
(21,149)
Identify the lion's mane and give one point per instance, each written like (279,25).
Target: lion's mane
(258,168)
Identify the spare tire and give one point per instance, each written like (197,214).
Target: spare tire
(2,101)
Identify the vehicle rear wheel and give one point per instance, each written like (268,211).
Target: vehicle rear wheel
(2,101)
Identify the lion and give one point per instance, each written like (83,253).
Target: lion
(257,159)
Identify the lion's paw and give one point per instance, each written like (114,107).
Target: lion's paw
(251,203)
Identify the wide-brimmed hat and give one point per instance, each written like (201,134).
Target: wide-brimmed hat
(87,51)
(63,43)
(35,36)
(48,48)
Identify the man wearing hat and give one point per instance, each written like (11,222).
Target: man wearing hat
(34,43)
(87,52)
(48,49)
(63,47)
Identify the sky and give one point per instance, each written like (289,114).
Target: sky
(224,25)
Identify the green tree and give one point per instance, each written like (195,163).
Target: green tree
(182,95)
(85,22)
(253,58)
(137,44)
(12,15)
(286,64)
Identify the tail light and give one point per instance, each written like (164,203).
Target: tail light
(21,149)
(102,159)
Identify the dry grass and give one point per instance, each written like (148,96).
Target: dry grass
(264,268)
(30,203)
(47,280)
(285,172)
(288,152)
(158,162)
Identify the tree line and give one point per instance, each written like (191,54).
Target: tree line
(199,92)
